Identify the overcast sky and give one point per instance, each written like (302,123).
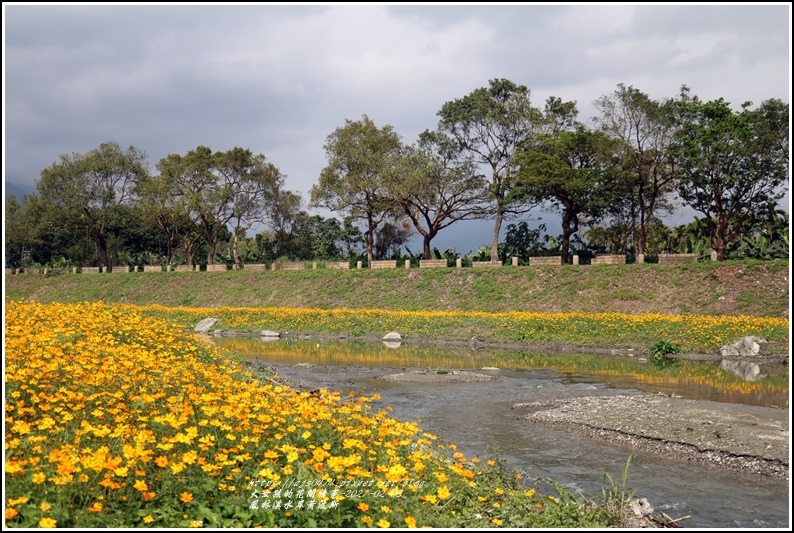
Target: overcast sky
(279,79)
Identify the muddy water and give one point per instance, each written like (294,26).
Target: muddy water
(478,417)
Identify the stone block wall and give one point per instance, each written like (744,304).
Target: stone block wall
(672,259)
(218,267)
(609,260)
(553,260)
(486,264)
(383,264)
(296,265)
(432,263)
(338,265)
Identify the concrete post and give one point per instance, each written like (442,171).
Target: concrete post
(640,259)
(714,255)
(515,261)
(359,265)
(314,265)
(576,260)
(407,264)
(458,263)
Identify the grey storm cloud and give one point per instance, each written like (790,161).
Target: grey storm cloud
(279,79)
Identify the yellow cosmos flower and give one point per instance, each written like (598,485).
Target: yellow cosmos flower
(443,492)
(96,507)
(186,497)
(16,501)
(11,513)
(45,507)
(196,523)
(363,507)
(367,520)
(48,522)
(148,519)
(161,461)
(141,485)
(39,477)
(410,521)
(497,521)
(383,523)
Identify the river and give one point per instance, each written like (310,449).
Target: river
(479,418)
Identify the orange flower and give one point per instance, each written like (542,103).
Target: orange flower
(186,497)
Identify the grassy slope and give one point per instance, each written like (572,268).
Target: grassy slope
(731,288)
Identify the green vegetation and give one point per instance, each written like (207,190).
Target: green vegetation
(661,350)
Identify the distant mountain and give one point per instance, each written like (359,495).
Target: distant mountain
(15,189)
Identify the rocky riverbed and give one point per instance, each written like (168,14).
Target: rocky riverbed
(749,438)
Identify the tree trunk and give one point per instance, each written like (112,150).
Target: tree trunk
(234,251)
(570,225)
(426,253)
(102,246)
(369,237)
(497,226)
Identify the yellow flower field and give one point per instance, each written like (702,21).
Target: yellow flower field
(118,419)
(692,332)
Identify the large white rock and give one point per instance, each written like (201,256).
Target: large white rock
(205,325)
(393,336)
(744,347)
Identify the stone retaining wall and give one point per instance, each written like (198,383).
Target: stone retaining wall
(296,265)
(671,259)
(609,260)
(338,265)
(553,260)
(432,263)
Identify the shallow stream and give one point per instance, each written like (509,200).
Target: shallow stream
(479,418)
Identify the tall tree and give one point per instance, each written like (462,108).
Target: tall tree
(645,129)
(362,159)
(190,180)
(87,192)
(217,189)
(435,188)
(732,164)
(253,183)
(569,171)
(489,124)
(159,205)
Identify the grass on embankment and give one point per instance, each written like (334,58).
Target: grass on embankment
(700,306)
(750,288)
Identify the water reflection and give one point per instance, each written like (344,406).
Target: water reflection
(751,385)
